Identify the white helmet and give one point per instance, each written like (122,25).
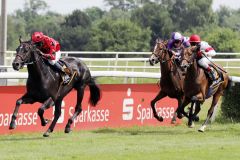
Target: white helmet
(177,36)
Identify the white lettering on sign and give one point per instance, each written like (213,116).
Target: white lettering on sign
(147,113)
(90,115)
(23,119)
(128,107)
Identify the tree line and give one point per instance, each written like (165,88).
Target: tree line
(128,25)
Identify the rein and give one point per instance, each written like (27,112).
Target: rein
(164,52)
(28,63)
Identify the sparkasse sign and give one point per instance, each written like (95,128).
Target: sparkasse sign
(121,105)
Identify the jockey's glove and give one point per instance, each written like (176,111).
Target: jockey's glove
(199,54)
(47,56)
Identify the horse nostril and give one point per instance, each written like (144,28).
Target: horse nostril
(16,65)
(151,61)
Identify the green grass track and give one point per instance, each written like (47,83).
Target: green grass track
(220,141)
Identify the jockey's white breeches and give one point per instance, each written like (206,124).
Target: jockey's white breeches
(57,57)
(203,62)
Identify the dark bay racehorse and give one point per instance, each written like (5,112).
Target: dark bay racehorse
(45,85)
(172,77)
(197,86)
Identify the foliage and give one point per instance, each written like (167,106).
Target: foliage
(156,17)
(110,35)
(230,104)
(94,13)
(128,25)
(220,38)
(77,18)
(229,18)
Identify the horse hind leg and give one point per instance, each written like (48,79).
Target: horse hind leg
(25,99)
(210,112)
(190,119)
(49,102)
(78,109)
(159,96)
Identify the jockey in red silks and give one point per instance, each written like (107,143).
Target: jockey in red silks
(175,43)
(205,51)
(50,49)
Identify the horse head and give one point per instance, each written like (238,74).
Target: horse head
(188,55)
(23,54)
(159,52)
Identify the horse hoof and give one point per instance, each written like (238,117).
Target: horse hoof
(191,125)
(46,121)
(180,116)
(160,119)
(196,119)
(173,121)
(67,130)
(12,125)
(201,129)
(46,134)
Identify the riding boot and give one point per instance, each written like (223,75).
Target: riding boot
(211,76)
(60,68)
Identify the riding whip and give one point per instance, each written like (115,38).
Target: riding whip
(214,63)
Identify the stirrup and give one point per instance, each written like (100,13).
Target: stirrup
(66,79)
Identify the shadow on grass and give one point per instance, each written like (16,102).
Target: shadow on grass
(146,130)
(10,138)
(216,128)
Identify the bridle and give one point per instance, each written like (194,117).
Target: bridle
(162,52)
(22,59)
(192,57)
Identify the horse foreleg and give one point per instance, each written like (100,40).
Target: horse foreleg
(49,102)
(190,119)
(78,109)
(180,110)
(57,114)
(159,96)
(210,112)
(174,119)
(25,99)
(197,110)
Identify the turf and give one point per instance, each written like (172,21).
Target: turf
(220,141)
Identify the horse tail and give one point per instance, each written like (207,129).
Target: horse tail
(95,93)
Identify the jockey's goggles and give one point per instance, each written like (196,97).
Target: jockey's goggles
(193,43)
(39,44)
(177,41)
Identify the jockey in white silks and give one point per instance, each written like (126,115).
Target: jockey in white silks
(204,60)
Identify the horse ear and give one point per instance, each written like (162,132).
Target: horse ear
(20,39)
(34,46)
(165,42)
(158,40)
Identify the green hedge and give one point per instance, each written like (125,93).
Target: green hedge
(231,103)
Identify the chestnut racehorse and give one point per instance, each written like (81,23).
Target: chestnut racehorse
(197,86)
(172,77)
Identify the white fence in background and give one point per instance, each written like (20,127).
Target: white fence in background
(113,65)
(24,75)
